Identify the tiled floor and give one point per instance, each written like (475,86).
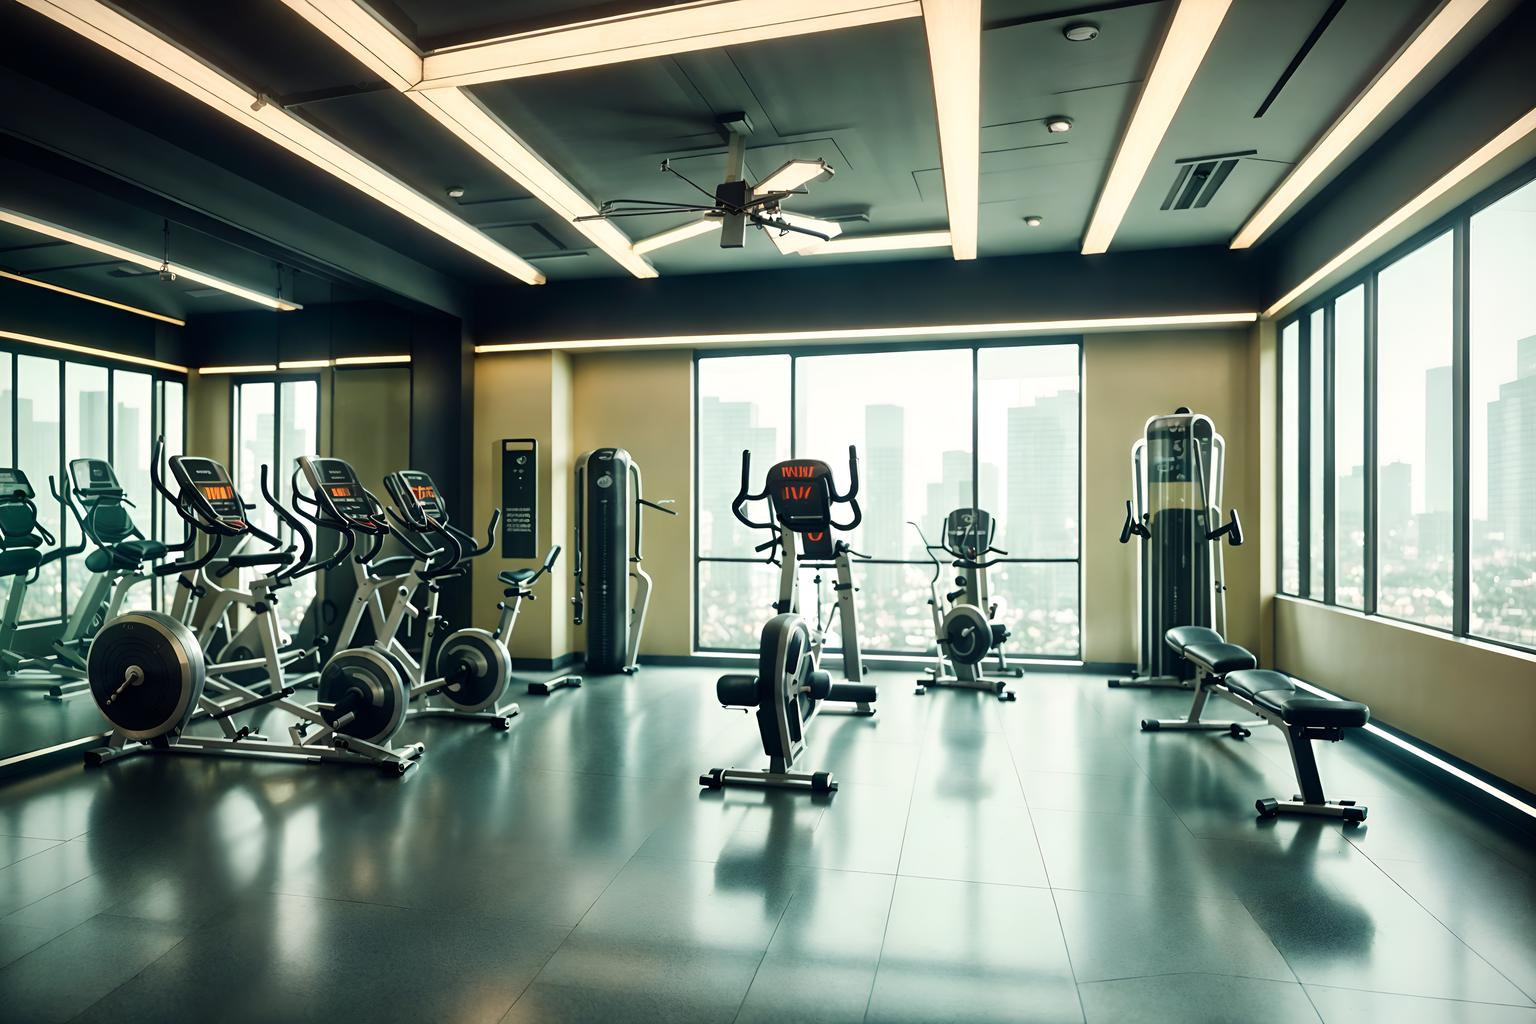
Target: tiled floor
(982,862)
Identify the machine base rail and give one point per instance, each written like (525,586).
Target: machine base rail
(549,686)
(815,782)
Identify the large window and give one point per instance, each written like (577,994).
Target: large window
(53,411)
(936,429)
(276,422)
(1408,431)
(1502,420)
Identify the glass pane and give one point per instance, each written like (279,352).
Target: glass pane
(1290,458)
(1503,421)
(1027,430)
(256,446)
(1349,448)
(7,395)
(735,599)
(37,451)
(1414,475)
(743,406)
(909,415)
(300,405)
(1039,605)
(85,437)
(1317,413)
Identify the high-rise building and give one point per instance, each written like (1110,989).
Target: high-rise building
(951,492)
(1040,519)
(883,479)
(1394,502)
(1512,454)
(1439,466)
(726,429)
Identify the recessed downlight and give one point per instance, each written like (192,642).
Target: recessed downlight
(1034,221)
(1081,31)
(456,193)
(1058,125)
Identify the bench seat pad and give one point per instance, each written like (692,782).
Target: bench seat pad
(1219,659)
(1180,637)
(1275,691)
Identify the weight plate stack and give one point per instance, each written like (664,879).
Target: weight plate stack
(477,668)
(368,683)
(146,672)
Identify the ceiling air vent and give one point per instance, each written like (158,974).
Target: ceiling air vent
(1199,178)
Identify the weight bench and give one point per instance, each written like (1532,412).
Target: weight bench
(1232,672)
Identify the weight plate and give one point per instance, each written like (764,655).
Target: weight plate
(477,667)
(968,633)
(146,672)
(369,684)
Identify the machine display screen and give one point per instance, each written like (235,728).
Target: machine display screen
(218,492)
(341,492)
(424,494)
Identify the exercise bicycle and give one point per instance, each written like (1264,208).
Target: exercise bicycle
(519,584)
(150,677)
(966,634)
(790,686)
(22,538)
(472,670)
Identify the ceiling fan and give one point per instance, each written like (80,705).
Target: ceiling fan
(735,204)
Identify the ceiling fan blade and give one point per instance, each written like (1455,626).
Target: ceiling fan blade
(672,236)
(797,233)
(792,175)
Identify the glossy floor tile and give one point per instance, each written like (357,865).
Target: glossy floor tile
(1036,861)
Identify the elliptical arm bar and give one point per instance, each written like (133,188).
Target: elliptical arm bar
(294,523)
(851,498)
(744,495)
(404,534)
(156,477)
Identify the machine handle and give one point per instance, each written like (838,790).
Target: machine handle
(1232,530)
(745,495)
(851,499)
(1132,527)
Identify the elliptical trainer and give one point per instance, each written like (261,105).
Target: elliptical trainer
(966,634)
(1178,469)
(610,508)
(790,686)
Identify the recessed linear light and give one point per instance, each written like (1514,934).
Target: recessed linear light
(1189,37)
(218,371)
(675,28)
(1429,758)
(876,334)
(63,234)
(100,353)
(1455,176)
(304,364)
(1432,37)
(372,360)
(672,236)
(20,279)
(373,42)
(881,243)
(136,43)
(953,28)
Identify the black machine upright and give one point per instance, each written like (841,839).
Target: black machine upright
(1178,469)
(610,504)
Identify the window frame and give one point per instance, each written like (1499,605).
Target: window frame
(1458,225)
(10,351)
(975,347)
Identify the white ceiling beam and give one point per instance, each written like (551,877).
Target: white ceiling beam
(679,28)
(954,53)
(152,52)
(1189,37)
(1433,36)
(356,29)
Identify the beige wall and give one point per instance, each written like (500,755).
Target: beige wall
(1128,378)
(209,404)
(369,425)
(527,395)
(643,402)
(1473,700)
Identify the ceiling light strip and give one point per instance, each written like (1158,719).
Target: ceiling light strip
(881,243)
(219,371)
(21,279)
(106,248)
(372,41)
(672,236)
(137,44)
(1498,145)
(953,28)
(372,360)
(1433,36)
(884,333)
(1188,40)
(679,28)
(304,364)
(100,353)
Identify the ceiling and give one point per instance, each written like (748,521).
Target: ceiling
(861,98)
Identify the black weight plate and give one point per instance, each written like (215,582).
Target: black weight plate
(969,634)
(368,684)
(168,660)
(477,668)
